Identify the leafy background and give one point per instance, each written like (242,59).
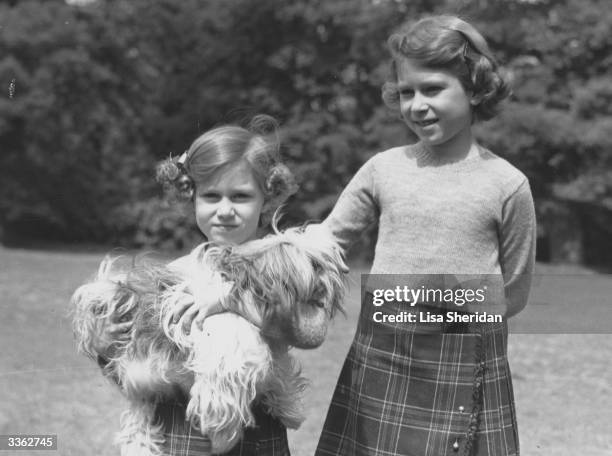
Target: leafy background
(96,92)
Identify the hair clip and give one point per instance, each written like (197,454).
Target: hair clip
(184,184)
(183,158)
(465,49)
(181,168)
(180,164)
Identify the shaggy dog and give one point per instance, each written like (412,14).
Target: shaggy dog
(268,295)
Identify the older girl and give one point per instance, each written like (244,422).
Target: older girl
(445,206)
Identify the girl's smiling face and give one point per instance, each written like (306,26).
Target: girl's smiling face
(228,205)
(434,104)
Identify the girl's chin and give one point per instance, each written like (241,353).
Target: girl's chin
(429,140)
(229,238)
(224,238)
(433,138)
(429,135)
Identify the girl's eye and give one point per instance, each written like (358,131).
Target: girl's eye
(432,90)
(210,196)
(241,197)
(406,93)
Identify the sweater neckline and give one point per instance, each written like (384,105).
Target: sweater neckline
(426,158)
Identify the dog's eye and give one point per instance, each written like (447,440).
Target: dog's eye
(318,294)
(317,303)
(99,309)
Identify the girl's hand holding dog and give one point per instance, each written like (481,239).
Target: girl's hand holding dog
(189,313)
(186,313)
(109,333)
(204,302)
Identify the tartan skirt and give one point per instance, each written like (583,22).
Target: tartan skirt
(423,389)
(267,438)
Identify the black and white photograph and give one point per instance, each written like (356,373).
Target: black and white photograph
(305,227)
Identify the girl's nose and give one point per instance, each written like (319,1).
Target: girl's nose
(419,104)
(225,209)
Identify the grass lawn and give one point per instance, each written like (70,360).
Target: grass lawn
(563,382)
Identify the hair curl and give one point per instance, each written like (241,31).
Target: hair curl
(452,44)
(258,144)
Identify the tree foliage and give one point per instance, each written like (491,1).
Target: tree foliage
(94,95)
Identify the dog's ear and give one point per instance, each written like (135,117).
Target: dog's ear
(94,302)
(245,296)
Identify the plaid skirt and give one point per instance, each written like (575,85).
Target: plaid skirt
(267,438)
(423,389)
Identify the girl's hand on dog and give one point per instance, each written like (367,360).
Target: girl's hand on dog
(188,313)
(184,314)
(206,300)
(110,332)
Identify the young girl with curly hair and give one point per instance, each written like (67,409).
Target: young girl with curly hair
(445,206)
(235,179)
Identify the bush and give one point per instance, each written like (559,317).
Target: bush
(156,223)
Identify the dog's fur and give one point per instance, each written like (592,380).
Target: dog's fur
(277,292)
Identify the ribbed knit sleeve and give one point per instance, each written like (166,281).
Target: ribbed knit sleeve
(356,208)
(517,236)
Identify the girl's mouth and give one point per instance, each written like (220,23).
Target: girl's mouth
(425,123)
(225,226)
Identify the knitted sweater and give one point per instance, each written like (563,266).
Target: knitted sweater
(470,216)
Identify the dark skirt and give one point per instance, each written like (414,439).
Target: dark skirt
(423,389)
(267,438)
